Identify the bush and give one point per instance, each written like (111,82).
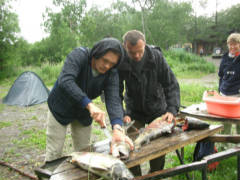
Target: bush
(186,64)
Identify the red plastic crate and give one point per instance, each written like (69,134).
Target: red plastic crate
(226,106)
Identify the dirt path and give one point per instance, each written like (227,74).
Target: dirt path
(19,122)
(210,80)
(20,125)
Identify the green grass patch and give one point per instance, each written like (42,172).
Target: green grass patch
(34,118)
(188,65)
(4,90)
(2,106)
(97,132)
(32,137)
(99,103)
(192,93)
(5,124)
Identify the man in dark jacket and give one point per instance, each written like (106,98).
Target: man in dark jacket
(85,74)
(151,89)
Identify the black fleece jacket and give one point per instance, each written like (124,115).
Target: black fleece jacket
(152,92)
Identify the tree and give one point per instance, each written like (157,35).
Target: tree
(113,21)
(144,5)
(8,33)
(229,18)
(72,12)
(214,31)
(167,22)
(64,29)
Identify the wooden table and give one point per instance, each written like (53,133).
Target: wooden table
(200,111)
(156,148)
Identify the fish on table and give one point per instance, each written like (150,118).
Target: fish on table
(119,149)
(103,165)
(191,123)
(155,129)
(161,127)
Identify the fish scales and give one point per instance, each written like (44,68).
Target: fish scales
(103,165)
(155,129)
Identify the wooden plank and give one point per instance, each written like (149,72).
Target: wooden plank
(224,138)
(154,149)
(73,174)
(164,145)
(199,165)
(68,171)
(222,155)
(200,111)
(173,171)
(64,166)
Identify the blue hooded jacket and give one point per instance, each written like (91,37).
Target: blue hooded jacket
(229,75)
(76,86)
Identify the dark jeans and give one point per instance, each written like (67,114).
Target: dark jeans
(155,164)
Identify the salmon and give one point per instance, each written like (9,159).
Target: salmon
(103,165)
(120,150)
(155,129)
(191,123)
(102,146)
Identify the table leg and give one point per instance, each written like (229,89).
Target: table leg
(182,152)
(181,161)
(238,167)
(204,173)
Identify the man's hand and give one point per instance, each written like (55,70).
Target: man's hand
(168,117)
(119,136)
(127,119)
(97,114)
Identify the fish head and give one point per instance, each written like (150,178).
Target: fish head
(121,172)
(121,150)
(194,123)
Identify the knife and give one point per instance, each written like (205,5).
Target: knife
(126,126)
(107,133)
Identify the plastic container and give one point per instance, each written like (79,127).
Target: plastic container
(226,106)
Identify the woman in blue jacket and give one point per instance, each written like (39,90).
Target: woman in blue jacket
(229,73)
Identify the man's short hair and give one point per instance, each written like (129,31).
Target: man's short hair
(233,38)
(133,36)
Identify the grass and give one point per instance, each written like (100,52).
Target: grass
(5,124)
(32,138)
(2,106)
(47,72)
(192,93)
(227,169)
(188,65)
